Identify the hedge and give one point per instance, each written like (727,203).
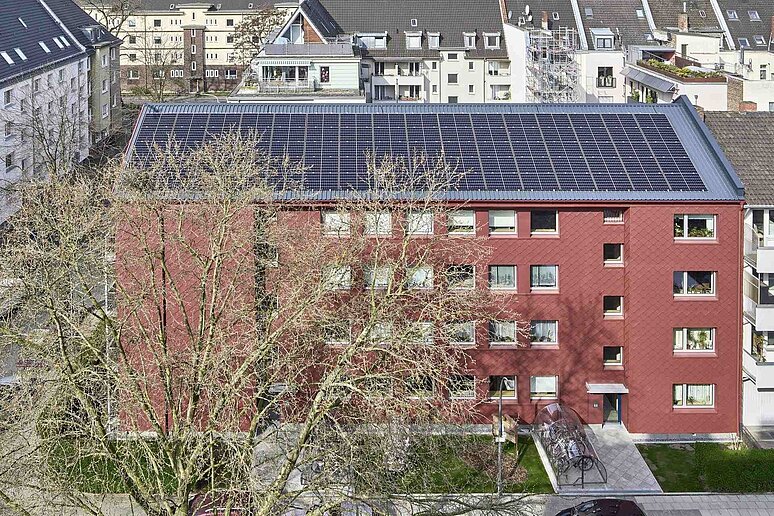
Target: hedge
(735,471)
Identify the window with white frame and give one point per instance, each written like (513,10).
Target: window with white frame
(502,333)
(462,222)
(612,355)
(461,333)
(419,223)
(543,333)
(502,222)
(420,387)
(612,305)
(211,73)
(694,283)
(693,395)
(336,277)
(461,276)
(492,40)
(335,223)
(105,110)
(420,277)
(612,216)
(7,96)
(462,387)
(543,387)
(420,332)
(132,74)
(470,39)
(544,221)
(377,277)
(694,226)
(176,73)
(413,40)
(612,253)
(433,39)
(694,339)
(337,333)
(544,277)
(377,223)
(380,333)
(502,277)
(502,386)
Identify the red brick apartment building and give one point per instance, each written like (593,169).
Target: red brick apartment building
(617,226)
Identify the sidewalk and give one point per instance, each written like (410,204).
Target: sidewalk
(685,504)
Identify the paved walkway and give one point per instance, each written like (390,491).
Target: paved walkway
(763,435)
(685,505)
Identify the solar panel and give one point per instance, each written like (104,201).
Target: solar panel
(608,151)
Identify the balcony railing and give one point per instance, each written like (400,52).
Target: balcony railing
(608,81)
(752,239)
(761,372)
(285,85)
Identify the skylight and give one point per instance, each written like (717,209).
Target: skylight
(44,47)
(20,54)
(744,43)
(702,13)
(589,12)
(640,13)
(759,40)
(555,15)
(58,43)
(22,22)
(732,14)
(6,57)
(754,16)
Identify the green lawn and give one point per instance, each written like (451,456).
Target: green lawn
(448,471)
(710,467)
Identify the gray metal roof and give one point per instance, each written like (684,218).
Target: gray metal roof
(747,139)
(648,79)
(686,135)
(450,18)
(744,26)
(309,49)
(23,25)
(85,28)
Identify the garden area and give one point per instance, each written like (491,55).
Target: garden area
(710,467)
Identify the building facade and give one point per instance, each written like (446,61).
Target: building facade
(617,230)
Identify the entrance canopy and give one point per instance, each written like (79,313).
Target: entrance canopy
(606,388)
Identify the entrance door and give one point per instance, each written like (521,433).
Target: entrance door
(611,412)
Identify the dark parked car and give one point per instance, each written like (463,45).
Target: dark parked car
(604,507)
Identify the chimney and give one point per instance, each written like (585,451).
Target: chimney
(682,22)
(544,20)
(772,29)
(747,105)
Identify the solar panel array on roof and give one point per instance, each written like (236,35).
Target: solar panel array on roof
(602,152)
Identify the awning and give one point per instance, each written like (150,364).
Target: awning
(648,80)
(606,388)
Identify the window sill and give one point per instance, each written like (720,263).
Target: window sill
(617,223)
(507,235)
(695,297)
(613,265)
(540,290)
(544,234)
(542,398)
(463,345)
(694,410)
(613,317)
(503,345)
(505,400)
(613,367)
(696,240)
(468,235)
(547,346)
(694,354)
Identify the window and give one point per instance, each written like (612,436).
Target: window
(229,38)
(612,355)
(544,221)
(337,277)
(452,99)
(542,387)
(104,85)
(694,226)
(335,223)
(612,253)
(211,73)
(760,41)
(502,387)
(470,39)
(325,74)
(9,158)
(420,332)
(433,39)
(502,277)
(461,276)
(694,339)
(193,49)
(502,333)
(380,333)
(421,277)
(229,22)
(419,387)
(694,283)
(544,277)
(105,111)
(612,216)
(462,387)
(603,43)
(379,68)
(413,41)
(543,332)
(605,78)
(461,222)
(754,16)
(231,73)
(132,74)
(434,66)
(744,43)
(452,56)
(492,40)
(337,333)
(693,395)
(377,277)
(176,73)
(44,47)
(157,23)
(378,223)
(8,128)
(732,14)
(7,96)
(414,22)
(493,67)
(461,333)
(612,305)
(471,89)
(419,223)
(452,78)
(502,222)
(131,23)
(589,12)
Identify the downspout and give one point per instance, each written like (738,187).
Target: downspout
(740,322)
(723,24)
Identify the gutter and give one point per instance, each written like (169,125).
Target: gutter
(579,23)
(723,24)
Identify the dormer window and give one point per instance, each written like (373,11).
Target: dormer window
(732,14)
(492,40)
(378,41)
(754,16)
(433,39)
(470,39)
(603,38)
(759,41)
(640,13)
(602,43)
(555,16)
(413,40)
(702,13)
(414,22)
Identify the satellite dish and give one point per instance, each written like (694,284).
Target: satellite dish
(526,9)
(510,14)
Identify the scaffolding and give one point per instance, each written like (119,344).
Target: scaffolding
(552,69)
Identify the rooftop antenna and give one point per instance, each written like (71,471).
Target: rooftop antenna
(526,9)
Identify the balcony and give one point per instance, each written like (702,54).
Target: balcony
(269,86)
(761,372)
(756,252)
(607,81)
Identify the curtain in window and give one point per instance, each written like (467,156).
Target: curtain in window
(699,395)
(543,331)
(543,276)
(543,384)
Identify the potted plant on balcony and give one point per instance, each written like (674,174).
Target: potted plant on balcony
(758,347)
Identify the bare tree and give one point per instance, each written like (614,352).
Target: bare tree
(252,33)
(111,13)
(202,338)
(158,55)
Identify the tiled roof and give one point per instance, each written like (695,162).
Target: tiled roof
(450,18)
(665,13)
(79,22)
(621,17)
(746,26)
(225,5)
(747,140)
(550,152)
(562,8)
(24,24)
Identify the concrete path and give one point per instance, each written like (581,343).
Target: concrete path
(763,435)
(684,505)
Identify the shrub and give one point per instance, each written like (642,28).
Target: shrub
(735,471)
